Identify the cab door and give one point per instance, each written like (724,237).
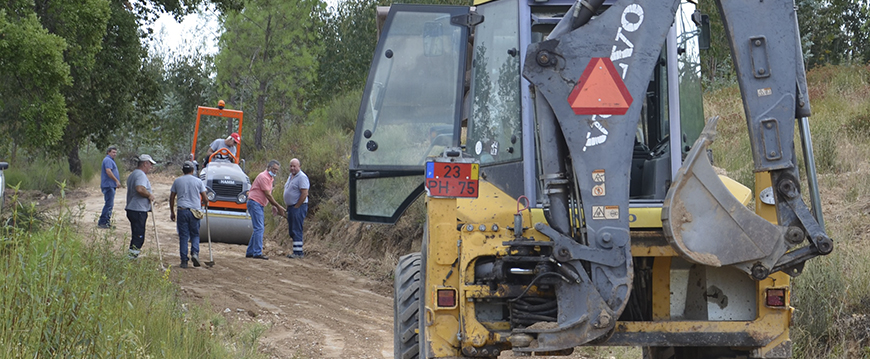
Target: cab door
(411,107)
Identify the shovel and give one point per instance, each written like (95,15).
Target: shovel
(157,239)
(210,262)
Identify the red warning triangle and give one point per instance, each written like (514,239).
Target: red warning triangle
(600,90)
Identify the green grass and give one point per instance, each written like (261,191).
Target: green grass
(832,296)
(61,297)
(42,173)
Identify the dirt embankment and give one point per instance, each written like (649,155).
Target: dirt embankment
(311,309)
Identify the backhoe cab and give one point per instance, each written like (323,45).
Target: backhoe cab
(570,196)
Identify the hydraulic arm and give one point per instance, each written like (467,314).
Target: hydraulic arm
(588,160)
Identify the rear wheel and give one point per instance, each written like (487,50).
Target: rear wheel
(406,307)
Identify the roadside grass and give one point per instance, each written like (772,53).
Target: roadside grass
(42,173)
(832,296)
(63,297)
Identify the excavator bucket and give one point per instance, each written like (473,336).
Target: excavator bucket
(706,224)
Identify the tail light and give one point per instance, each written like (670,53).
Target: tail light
(776,297)
(446,298)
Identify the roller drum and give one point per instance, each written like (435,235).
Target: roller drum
(227,227)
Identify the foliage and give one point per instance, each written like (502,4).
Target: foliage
(147,11)
(80,66)
(42,172)
(66,298)
(186,84)
(832,295)
(118,91)
(32,106)
(266,65)
(349,37)
(716,64)
(836,30)
(832,32)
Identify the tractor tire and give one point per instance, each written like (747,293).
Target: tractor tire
(406,307)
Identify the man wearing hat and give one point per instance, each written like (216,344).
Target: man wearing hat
(190,192)
(229,143)
(139,199)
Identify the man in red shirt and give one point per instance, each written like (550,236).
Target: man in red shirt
(259,196)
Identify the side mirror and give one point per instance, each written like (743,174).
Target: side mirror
(703,23)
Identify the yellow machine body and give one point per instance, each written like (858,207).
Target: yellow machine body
(462,230)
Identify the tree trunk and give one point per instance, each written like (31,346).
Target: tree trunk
(75,163)
(261,109)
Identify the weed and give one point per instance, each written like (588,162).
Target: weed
(62,298)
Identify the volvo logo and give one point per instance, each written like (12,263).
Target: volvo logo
(620,54)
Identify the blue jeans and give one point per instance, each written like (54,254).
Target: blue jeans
(295,217)
(106,215)
(255,244)
(188,230)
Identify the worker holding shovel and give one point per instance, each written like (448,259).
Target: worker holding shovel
(139,199)
(190,192)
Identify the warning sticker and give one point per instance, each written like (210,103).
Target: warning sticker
(611,212)
(598,176)
(598,190)
(598,212)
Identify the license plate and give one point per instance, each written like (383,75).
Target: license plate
(448,179)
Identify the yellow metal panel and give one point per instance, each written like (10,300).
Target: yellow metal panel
(643,250)
(739,191)
(767,327)
(766,211)
(442,253)
(442,334)
(495,207)
(778,279)
(645,217)
(492,205)
(661,289)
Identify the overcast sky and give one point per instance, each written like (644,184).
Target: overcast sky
(198,30)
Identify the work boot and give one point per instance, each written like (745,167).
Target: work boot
(183,264)
(195,258)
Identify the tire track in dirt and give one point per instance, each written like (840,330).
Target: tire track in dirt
(311,311)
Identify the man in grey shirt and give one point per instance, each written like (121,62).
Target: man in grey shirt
(190,192)
(229,143)
(139,199)
(296,200)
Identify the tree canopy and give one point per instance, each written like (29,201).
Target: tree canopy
(80,72)
(267,60)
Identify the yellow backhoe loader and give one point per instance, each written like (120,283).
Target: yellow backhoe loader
(570,197)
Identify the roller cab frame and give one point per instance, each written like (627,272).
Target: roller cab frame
(226,184)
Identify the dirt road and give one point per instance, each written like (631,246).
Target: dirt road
(311,311)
